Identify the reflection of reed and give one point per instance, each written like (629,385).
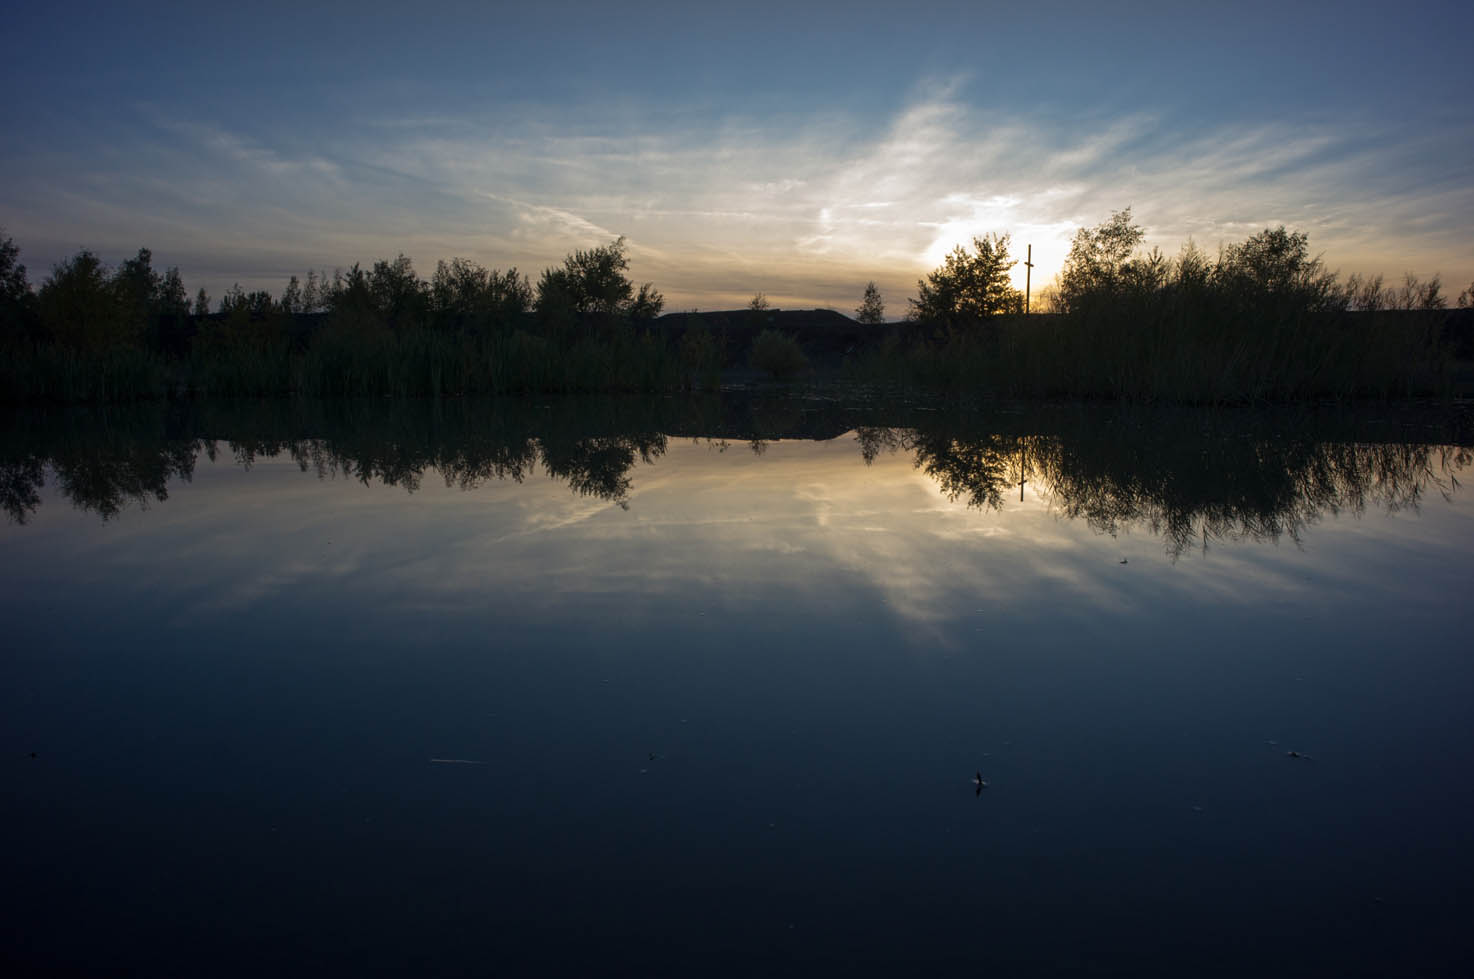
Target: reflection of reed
(1189,491)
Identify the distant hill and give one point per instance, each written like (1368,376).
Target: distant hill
(826,335)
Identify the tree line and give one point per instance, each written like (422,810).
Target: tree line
(84,305)
(1107,273)
(1262,319)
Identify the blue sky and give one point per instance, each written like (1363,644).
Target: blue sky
(796,149)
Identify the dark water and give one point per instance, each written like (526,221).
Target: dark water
(702,689)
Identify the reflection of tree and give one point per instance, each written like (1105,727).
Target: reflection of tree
(976,468)
(600,467)
(597,467)
(107,485)
(1185,484)
(1247,489)
(104,468)
(20,486)
(1193,478)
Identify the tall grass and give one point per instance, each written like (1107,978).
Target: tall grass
(37,372)
(342,361)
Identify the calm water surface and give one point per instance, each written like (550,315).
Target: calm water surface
(535,688)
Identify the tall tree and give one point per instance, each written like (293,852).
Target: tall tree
(398,294)
(872,308)
(970,285)
(291,296)
(594,281)
(13,284)
(16,301)
(172,299)
(78,304)
(138,289)
(1098,261)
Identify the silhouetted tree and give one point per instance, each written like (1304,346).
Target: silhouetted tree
(173,300)
(1370,294)
(349,298)
(647,304)
(78,305)
(13,284)
(291,296)
(234,299)
(594,281)
(1275,266)
(314,293)
(1367,294)
(399,296)
(970,286)
(202,302)
(556,303)
(1419,294)
(1096,265)
(597,277)
(463,291)
(872,309)
(16,301)
(139,291)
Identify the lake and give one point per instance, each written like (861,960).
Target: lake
(703,687)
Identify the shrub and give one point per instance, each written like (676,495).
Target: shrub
(778,354)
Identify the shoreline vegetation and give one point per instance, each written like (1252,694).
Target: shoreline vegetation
(1264,321)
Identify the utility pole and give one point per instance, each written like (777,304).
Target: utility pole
(1028,272)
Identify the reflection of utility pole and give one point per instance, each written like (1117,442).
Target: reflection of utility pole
(1021,472)
(1028,271)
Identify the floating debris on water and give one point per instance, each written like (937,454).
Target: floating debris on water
(455,761)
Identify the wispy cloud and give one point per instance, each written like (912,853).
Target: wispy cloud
(805,211)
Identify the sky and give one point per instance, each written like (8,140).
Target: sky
(799,150)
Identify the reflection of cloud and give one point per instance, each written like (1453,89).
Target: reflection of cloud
(719,209)
(550,516)
(805,529)
(798,521)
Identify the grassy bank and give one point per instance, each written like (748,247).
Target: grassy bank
(342,362)
(1154,354)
